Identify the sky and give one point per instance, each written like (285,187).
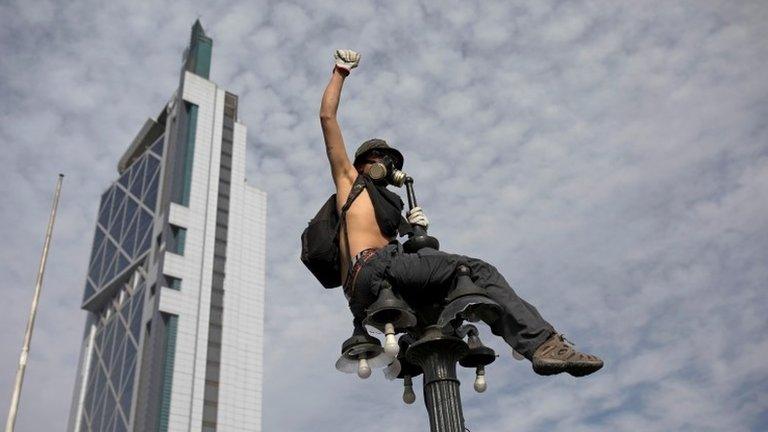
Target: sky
(610,158)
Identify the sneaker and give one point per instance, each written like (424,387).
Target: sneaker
(558,355)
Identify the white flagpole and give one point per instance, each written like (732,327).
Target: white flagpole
(10,424)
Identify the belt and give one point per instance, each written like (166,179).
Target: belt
(363,255)
(357,263)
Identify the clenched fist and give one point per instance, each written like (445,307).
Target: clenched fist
(346,59)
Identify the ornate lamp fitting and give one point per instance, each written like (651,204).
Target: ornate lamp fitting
(360,354)
(389,308)
(468,302)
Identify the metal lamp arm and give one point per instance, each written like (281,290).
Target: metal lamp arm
(419,237)
(411,194)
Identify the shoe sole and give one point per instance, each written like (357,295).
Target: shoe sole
(546,368)
(576,369)
(579,370)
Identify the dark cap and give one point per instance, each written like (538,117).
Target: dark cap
(382,146)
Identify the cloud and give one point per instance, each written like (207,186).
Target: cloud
(610,159)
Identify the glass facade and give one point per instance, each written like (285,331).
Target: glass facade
(176,240)
(122,239)
(171,328)
(124,227)
(112,375)
(200,50)
(183,179)
(172,282)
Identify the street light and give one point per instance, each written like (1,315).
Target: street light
(432,341)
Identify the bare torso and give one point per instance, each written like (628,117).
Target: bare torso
(363,230)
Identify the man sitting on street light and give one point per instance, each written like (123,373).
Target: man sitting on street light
(370,252)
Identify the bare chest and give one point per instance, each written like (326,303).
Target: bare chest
(362,231)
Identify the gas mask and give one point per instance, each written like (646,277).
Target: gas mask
(385,171)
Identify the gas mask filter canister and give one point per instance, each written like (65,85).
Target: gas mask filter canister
(386,171)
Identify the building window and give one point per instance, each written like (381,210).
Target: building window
(172,282)
(178,236)
(171,325)
(182,183)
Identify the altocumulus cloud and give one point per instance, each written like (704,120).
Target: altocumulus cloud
(611,158)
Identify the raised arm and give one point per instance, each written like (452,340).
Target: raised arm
(341,167)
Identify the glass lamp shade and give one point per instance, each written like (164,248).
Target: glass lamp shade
(350,365)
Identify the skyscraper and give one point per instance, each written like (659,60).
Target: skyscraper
(175,284)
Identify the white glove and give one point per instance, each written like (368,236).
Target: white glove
(416,217)
(346,59)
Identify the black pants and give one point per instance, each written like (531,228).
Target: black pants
(429,270)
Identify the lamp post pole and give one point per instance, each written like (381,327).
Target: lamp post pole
(11,422)
(437,355)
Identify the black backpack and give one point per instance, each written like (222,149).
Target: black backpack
(320,239)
